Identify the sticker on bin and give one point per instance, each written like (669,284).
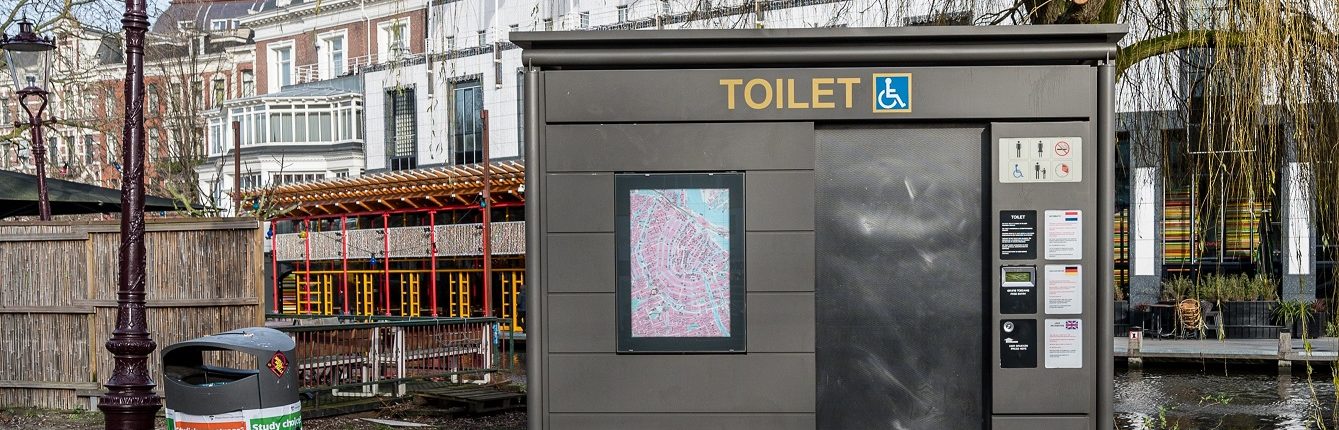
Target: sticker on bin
(287,417)
(278,364)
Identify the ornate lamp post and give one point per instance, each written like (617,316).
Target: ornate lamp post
(29,59)
(130,403)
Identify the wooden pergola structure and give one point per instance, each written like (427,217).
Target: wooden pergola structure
(424,192)
(399,191)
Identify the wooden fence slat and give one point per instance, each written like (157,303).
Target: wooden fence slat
(57,298)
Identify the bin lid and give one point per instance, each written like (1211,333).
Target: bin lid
(254,340)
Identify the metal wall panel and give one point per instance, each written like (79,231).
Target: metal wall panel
(1017,391)
(781,322)
(582,203)
(581,323)
(777,322)
(681,147)
(780,200)
(1041,423)
(939,92)
(739,383)
(780,261)
(899,298)
(581,263)
(802,421)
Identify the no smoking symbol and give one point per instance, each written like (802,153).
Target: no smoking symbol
(1062,148)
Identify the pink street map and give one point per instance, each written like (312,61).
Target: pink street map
(680,262)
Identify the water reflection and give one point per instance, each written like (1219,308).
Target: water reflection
(1222,398)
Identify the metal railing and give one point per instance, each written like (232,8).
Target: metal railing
(352,65)
(361,360)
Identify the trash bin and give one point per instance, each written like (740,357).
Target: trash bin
(260,394)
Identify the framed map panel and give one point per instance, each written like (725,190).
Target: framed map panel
(679,242)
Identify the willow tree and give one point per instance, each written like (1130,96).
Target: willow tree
(1250,84)
(1243,95)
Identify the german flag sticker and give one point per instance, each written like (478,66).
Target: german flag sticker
(278,364)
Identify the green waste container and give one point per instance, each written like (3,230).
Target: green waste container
(258,394)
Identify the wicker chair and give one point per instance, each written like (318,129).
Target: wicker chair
(1192,317)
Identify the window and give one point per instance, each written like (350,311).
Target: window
(466,125)
(52,149)
(622,14)
(176,96)
(281,67)
(220,91)
(218,24)
(153,140)
(113,154)
(941,18)
(151,94)
(548,24)
(664,7)
(394,39)
(250,181)
(198,95)
(291,178)
(248,83)
(520,109)
(483,38)
(585,19)
(332,56)
(88,149)
(108,102)
(450,43)
(513,28)
(401,124)
(216,137)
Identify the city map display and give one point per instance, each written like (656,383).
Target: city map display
(679,255)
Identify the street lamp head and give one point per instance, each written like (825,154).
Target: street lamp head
(29,58)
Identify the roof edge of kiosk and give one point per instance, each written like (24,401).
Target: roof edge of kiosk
(1016,44)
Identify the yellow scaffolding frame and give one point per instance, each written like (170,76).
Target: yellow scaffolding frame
(409,295)
(315,295)
(512,281)
(363,288)
(458,284)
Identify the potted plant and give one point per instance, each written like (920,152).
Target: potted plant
(1248,308)
(1293,316)
(1317,317)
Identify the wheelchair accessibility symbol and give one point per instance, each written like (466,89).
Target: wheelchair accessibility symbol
(892,92)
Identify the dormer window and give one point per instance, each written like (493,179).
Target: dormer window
(185,25)
(218,24)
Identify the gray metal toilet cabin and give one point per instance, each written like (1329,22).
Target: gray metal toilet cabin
(820,228)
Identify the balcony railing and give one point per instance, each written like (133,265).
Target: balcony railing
(352,65)
(405,242)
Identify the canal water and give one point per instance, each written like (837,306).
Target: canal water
(1229,399)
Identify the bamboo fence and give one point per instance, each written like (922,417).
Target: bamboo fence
(58,285)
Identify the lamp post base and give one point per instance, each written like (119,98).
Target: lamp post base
(129,411)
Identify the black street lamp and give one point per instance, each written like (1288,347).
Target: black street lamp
(29,59)
(130,402)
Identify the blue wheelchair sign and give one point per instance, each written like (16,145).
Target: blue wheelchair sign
(892,92)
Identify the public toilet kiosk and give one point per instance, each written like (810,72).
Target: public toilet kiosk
(835,229)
